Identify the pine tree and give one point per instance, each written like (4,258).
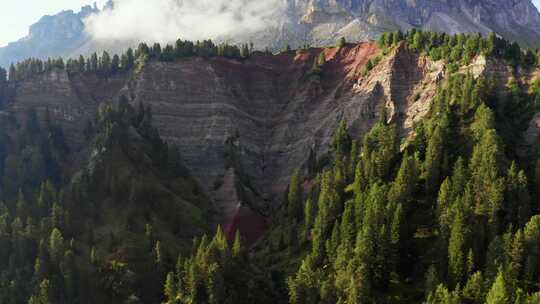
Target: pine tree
(237,244)
(81,64)
(57,216)
(348,225)
(517,259)
(474,289)
(93,63)
(115,64)
(442,296)
(484,120)
(434,159)
(487,185)
(105,63)
(445,199)
(93,256)
(456,249)
(158,253)
(44,295)
(383,38)
(403,187)
(294,195)
(244,51)
(56,244)
(12,73)
(498,294)
(130,60)
(308,216)
(170,289)
(341,42)
(517,201)
(341,141)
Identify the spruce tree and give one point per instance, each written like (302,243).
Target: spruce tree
(434,159)
(170,289)
(498,294)
(56,245)
(237,244)
(456,249)
(294,196)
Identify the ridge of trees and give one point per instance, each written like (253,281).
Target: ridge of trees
(107,65)
(459,48)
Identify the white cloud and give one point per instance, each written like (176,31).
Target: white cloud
(167,20)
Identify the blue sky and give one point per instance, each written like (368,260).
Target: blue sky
(17,15)
(22,13)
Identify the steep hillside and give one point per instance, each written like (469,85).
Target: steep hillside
(253,120)
(261,117)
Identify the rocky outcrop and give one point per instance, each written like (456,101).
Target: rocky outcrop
(324,21)
(52,36)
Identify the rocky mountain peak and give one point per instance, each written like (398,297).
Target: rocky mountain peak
(325,20)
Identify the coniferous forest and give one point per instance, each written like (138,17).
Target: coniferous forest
(450,214)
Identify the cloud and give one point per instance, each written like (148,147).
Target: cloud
(167,20)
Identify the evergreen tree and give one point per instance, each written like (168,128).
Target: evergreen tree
(56,244)
(237,244)
(170,289)
(294,197)
(498,294)
(341,42)
(434,160)
(115,64)
(456,250)
(105,63)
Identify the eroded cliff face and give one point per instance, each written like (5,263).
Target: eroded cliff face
(242,127)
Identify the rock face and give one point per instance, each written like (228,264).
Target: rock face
(242,127)
(323,21)
(316,22)
(52,36)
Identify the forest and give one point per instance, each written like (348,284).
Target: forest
(449,215)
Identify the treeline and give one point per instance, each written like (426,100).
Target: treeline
(461,48)
(107,65)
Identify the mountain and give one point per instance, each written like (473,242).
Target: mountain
(322,22)
(313,22)
(52,36)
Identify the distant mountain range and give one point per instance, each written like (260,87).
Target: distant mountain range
(314,22)
(51,36)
